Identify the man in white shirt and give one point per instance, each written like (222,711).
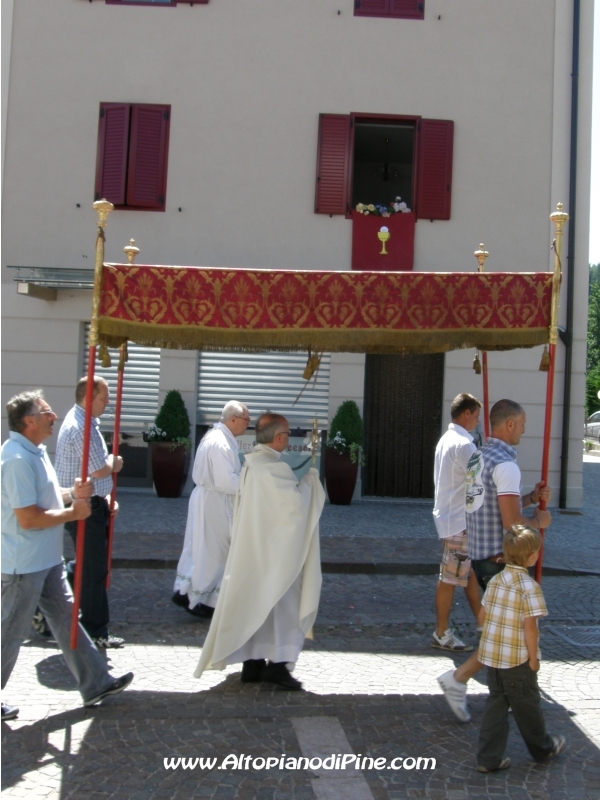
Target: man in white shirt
(270,594)
(452,455)
(210,513)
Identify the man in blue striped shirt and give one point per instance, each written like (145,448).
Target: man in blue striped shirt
(101,465)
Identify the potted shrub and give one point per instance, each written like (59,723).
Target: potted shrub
(344,453)
(170,444)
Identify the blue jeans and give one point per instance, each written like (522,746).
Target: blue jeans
(49,590)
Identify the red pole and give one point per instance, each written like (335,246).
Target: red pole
(546,448)
(115,450)
(486,394)
(481,256)
(79,550)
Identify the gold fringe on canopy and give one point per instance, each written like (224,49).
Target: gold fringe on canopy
(179,337)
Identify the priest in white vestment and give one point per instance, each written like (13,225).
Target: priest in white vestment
(270,592)
(216,474)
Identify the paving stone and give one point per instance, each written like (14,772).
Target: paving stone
(370,666)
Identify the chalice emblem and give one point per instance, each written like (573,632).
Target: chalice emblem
(383,235)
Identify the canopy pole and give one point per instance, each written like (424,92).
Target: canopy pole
(486,394)
(115,452)
(559,217)
(481,256)
(130,251)
(103,209)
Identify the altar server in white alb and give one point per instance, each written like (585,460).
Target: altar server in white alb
(210,514)
(272,584)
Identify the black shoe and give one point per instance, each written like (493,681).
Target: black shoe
(279,674)
(559,745)
(252,670)
(116,687)
(202,611)
(9,712)
(180,600)
(40,626)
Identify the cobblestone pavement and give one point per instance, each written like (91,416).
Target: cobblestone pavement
(370,671)
(390,536)
(370,668)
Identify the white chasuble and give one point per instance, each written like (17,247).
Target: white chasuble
(216,474)
(270,592)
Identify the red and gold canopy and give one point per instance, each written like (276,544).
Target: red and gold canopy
(369,312)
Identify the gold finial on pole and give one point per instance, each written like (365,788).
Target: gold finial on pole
(559,217)
(131,250)
(481,256)
(123,356)
(103,209)
(315,442)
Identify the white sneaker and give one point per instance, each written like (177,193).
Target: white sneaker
(450,641)
(455,694)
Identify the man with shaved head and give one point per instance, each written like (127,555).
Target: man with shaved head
(272,583)
(210,512)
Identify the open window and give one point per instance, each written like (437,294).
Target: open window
(375,158)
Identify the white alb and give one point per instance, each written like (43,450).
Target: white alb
(216,474)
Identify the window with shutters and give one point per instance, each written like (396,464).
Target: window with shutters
(375,158)
(400,9)
(131,162)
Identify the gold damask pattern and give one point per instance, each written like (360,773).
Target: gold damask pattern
(373,312)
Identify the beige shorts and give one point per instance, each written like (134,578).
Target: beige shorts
(455,566)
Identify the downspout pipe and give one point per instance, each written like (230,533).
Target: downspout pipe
(567,337)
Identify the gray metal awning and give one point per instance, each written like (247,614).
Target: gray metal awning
(43,282)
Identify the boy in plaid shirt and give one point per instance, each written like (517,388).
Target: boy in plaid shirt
(509,648)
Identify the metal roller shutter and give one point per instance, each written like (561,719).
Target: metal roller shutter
(140,386)
(262,381)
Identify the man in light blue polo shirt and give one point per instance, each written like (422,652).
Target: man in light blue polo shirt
(33,515)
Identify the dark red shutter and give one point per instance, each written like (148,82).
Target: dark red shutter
(147,173)
(402,9)
(371,8)
(407,9)
(435,169)
(332,164)
(111,158)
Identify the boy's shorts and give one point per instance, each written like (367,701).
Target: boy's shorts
(455,566)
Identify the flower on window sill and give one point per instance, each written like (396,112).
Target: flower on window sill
(397,207)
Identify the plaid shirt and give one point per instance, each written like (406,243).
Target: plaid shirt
(485,532)
(69,452)
(509,598)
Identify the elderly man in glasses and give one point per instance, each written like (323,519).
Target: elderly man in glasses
(210,512)
(34,510)
(272,583)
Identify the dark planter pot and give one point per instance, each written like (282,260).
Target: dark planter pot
(170,463)
(340,476)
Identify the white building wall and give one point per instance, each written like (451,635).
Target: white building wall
(246,82)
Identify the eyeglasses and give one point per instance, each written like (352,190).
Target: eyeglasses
(41,411)
(246,419)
